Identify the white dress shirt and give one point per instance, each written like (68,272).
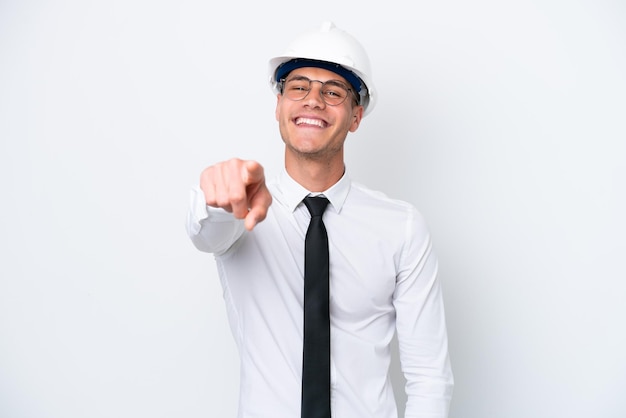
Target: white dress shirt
(383,279)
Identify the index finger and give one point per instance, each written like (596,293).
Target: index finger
(252,173)
(251,178)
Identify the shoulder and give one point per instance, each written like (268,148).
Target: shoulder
(387,212)
(396,222)
(366,198)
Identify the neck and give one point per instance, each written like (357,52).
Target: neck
(315,176)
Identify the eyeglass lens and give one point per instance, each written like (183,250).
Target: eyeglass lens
(333,92)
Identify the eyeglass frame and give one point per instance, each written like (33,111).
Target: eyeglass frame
(355,97)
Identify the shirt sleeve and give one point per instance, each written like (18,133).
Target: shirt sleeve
(421,326)
(212,230)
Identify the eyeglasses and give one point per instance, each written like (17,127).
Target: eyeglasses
(333,92)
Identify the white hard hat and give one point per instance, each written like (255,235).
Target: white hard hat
(322,48)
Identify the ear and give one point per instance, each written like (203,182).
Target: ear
(277,111)
(357,115)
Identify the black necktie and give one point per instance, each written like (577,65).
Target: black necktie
(316,352)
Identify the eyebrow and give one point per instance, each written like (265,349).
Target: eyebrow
(332,80)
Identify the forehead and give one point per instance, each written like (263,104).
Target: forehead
(315,73)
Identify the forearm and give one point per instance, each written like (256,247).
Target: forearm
(429,388)
(426,367)
(425,362)
(423,346)
(211,230)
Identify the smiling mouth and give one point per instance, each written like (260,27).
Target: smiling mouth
(310,122)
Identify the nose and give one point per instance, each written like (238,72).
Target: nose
(314,98)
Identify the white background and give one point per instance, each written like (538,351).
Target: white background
(504,122)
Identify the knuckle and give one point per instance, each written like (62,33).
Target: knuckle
(237,197)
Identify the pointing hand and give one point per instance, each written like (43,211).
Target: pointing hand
(237,186)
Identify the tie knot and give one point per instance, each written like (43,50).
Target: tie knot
(316,205)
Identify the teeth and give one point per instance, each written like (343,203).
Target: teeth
(316,122)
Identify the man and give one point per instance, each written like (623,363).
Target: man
(381,267)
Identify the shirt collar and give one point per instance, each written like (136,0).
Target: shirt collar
(292,192)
